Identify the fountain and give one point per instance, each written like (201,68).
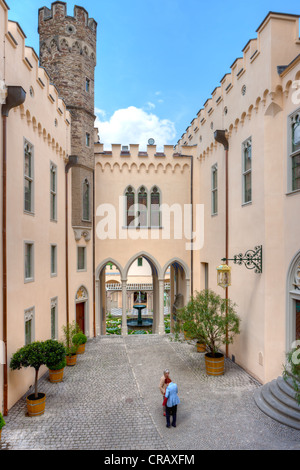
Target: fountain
(140,323)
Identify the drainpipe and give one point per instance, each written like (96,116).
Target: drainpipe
(221,138)
(15,97)
(94,261)
(73,159)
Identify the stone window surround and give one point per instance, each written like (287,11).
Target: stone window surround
(136,192)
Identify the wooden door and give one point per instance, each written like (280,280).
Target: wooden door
(80,315)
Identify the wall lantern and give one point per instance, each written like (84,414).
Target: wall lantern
(224,276)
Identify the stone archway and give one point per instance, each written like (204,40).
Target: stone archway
(293,302)
(158,289)
(179,286)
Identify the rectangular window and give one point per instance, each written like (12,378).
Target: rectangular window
(140,261)
(53,251)
(53,192)
(29,271)
(29,325)
(155,208)
(86,200)
(247,170)
(28,177)
(294,151)
(214,190)
(81,258)
(54,318)
(87,85)
(87,139)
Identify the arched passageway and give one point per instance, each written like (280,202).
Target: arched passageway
(159,288)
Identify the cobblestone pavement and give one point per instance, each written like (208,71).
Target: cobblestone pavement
(110,401)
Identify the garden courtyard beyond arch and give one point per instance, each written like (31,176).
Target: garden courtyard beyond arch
(142,280)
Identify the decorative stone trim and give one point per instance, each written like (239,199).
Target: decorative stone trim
(84,232)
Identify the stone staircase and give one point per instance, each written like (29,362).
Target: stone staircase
(277,400)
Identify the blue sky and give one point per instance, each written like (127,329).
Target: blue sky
(158,60)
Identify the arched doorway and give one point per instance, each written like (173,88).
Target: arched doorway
(293,302)
(81,305)
(109,299)
(155,296)
(177,274)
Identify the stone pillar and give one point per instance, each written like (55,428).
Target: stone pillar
(124,329)
(161,290)
(97,307)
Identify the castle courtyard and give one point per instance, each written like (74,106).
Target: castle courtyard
(110,401)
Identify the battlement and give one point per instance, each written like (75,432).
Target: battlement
(58,12)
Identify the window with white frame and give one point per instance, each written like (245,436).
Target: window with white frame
(29,325)
(81,258)
(294,152)
(155,201)
(247,171)
(54,328)
(28,177)
(53,254)
(28,261)
(214,190)
(53,192)
(86,200)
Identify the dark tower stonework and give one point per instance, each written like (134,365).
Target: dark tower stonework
(68,53)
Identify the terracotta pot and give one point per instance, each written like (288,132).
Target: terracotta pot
(36,407)
(201,347)
(0,433)
(214,365)
(56,376)
(81,349)
(71,360)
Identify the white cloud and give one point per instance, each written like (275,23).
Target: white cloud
(134,126)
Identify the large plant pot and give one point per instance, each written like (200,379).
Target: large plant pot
(71,360)
(81,349)
(215,365)
(0,433)
(56,376)
(36,407)
(201,347)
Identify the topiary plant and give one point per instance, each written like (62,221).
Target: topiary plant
(79,338)
(32,355)
(292,369)
(55,354)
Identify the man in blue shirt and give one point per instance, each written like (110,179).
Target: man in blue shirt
(173,401)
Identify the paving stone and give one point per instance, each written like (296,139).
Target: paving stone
(110,401)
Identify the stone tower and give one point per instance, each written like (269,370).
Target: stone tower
(68,53)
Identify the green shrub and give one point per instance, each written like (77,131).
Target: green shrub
(210,319)
(79,339)
(55,354)
(2,422)
(292,370)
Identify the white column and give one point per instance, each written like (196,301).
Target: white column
(97,308)
(161,325)
(124,329)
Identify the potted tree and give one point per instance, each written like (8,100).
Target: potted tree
(80,339)
(55,360)
(2,424)
(214,320)
(71,349)
(33,355)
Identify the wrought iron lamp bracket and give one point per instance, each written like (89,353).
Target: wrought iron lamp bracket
(252,259)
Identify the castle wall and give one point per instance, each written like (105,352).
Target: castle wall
(253,101)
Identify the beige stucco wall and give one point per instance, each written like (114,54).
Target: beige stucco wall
(271,218)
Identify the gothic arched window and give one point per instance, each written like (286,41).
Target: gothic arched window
(155,207)
(142,207)
(129,194)
(86,200)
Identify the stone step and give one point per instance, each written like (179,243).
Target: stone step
(285,399)
(277,404)
(286,385)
